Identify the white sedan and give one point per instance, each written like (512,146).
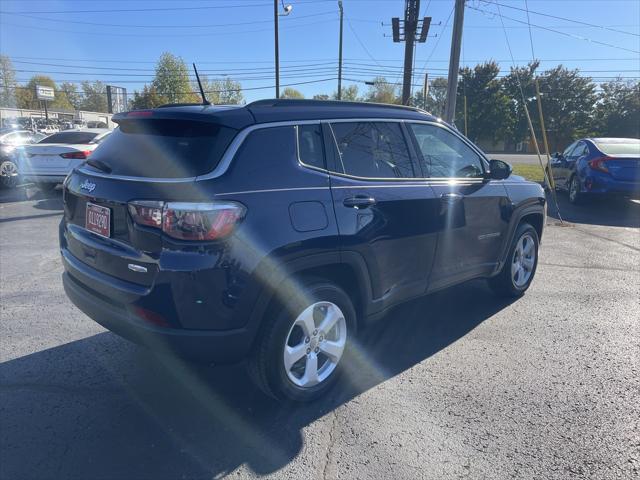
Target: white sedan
(48,162)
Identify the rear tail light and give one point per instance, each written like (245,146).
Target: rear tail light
(599,164)
(189,221)
(77,155)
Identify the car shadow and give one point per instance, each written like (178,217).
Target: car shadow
(102,407)
(51,200)
(611,212)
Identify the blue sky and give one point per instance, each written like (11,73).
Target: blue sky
(124,51)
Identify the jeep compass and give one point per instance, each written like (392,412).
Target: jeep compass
(271,232)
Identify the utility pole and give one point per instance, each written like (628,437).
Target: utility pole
(408,35)
(340,54)
(425,91)
(275,26)
(454,62)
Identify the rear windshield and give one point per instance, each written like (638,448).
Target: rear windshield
(630,147)
(164,148)
(70,137)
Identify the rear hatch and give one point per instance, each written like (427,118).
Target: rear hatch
(147,159)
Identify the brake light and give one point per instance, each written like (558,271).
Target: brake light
(187,220)
(599,164)
(77,155)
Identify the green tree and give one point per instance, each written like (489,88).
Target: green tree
(382,92)
(618,109)
(349,94)
(148,98)
(436,97)
(522,80)
(71,91)
(8,82)
(291,93)
(568,101)
(489,115)
(26,97)
(172,80)
(95,97)
(221,92)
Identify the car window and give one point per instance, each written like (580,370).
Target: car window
(580,150)
(620,147)
(569,149)
(311,145)
(70,138)
(372,150)
(444,154)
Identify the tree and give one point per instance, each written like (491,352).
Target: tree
(148,98)
(568,101)
(95,96)
(26,97)
(8,82)
(522,80)
(221,92)
(617,111)
(321,96)
(382,92)
(291,93)
(349,94)
(71,91)
(172,80)
(489,115)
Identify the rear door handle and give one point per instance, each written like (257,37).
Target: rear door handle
(359,201)
(451,198)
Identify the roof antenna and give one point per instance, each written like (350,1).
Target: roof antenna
(204,98)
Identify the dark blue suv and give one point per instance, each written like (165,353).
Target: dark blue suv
(273,231)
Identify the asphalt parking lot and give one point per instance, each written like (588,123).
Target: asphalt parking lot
(457,385)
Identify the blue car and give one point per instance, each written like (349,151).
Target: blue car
(598,166)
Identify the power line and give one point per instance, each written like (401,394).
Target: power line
(555,31)
(563,18)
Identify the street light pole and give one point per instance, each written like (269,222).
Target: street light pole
(340,54)
(275,26)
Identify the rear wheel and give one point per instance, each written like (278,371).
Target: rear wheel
(520,268)
(300,351)
(8,174)
(575,196)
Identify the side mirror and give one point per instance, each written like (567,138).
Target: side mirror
(499,170)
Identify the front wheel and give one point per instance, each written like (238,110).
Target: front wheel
(522,260)
(300,351)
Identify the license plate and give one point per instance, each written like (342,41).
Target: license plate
(98,219)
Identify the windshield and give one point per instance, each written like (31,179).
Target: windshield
(73,138)
(164,148)
(621,147)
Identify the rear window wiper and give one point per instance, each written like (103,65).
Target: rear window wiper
(100,165)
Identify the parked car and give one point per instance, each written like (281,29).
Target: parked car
(10,139)
(273,231)
(49,161)
(593,166)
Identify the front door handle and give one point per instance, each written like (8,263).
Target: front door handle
(359,201)
(451,198)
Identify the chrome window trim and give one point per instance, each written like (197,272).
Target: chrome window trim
(236,143)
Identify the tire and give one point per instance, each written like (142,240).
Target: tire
(285,328)
(8,174)
(513,284)
(575,196)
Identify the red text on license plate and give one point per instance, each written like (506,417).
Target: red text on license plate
(98,219)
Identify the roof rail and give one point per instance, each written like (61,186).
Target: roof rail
(292,102)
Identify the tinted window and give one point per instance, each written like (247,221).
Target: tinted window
(444,154)
(372,150)
(310,145)
(569,149)
(580,150)
(164,148)
(70,137)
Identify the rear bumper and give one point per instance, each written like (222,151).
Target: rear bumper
(607,185)
(112,310)
(43,178)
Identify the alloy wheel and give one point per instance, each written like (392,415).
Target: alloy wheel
(524,260)
(8,173)
(574,189)
(315,344)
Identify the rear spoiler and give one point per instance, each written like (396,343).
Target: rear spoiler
(236,118)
